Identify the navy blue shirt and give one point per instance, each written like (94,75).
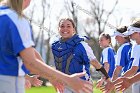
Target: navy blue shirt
(73,56)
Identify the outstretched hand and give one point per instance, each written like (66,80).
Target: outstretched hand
(27,84)
(59,86)
(79,85)
(108,87)
(122,83)
(35,81)
(100,83)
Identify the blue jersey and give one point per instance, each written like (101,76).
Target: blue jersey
(73,56)
(108,55)
(15,36)
(122,58)
(129,58)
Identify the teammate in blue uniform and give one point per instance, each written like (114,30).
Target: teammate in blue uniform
(107,57)
(134,32)
(122,60)
(108,53)
(72,54)
(17,53)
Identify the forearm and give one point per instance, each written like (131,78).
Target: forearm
(45,71)
(132,71)
(39,67)
(96,64)
(99,68)
(116,73)
(106,66)
(38,55)
(129,73)
(135,78)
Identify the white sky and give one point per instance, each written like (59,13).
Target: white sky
(126,8)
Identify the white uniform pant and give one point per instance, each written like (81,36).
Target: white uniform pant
(136,87)
(12,84)
(128,90)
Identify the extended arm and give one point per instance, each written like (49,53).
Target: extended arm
(36,66)
(106,66)
(123,83)
(99,67)
(116,72)
(133,70)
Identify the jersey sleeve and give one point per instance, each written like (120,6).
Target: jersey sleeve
(88,52)
(21,35)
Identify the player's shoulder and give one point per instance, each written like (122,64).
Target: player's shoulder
(83,43)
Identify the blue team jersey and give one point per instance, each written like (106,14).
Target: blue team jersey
(108,55)
(15,36)
(122,58)
(73,56)
(130,59)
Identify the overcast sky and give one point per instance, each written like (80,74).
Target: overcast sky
(126,8)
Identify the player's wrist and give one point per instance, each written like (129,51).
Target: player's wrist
(104,73)
(131,80)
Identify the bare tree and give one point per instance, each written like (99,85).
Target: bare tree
(40,23)
(71,11)
(99,20)
(48,51)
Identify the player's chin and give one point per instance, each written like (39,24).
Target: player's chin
(66,37)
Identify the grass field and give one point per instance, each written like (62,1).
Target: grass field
(49,89)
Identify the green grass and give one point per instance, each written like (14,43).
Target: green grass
(41,90)
(49,90)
